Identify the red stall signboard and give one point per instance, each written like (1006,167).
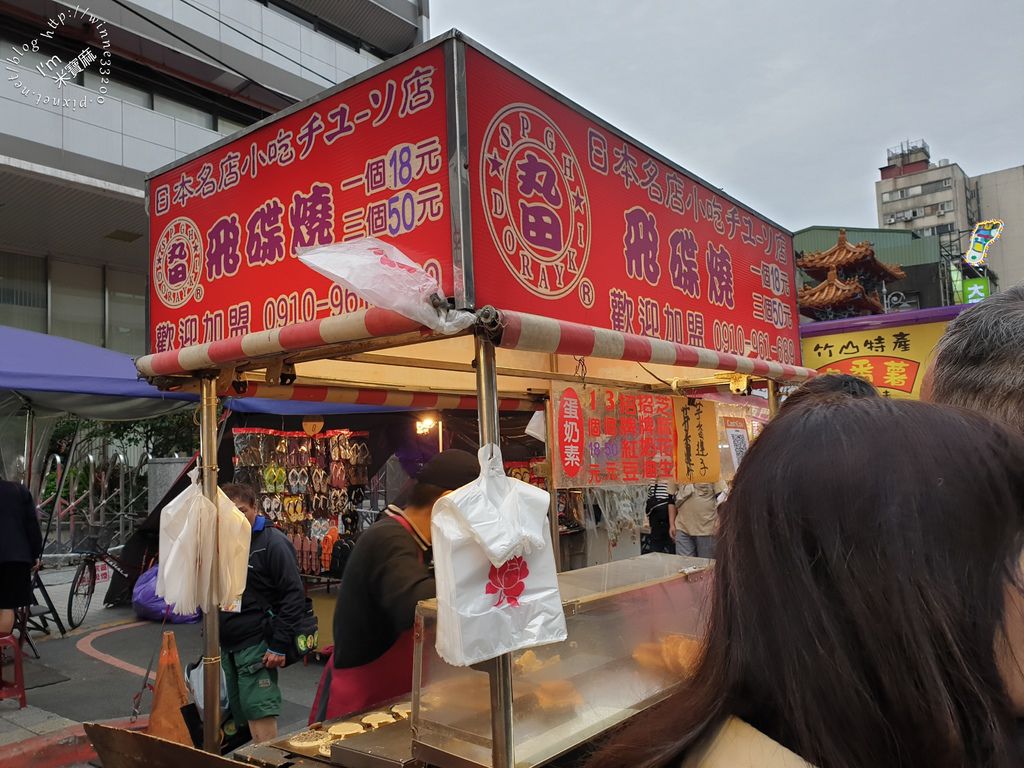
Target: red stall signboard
(570,433)
(611,437)
(370,159)
(572,221)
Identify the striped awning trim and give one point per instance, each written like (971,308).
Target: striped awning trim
(532,333)
(358,326)
(427,401)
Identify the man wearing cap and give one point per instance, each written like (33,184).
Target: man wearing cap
(387,574)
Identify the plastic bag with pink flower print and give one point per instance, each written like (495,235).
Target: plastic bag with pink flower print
(497,588)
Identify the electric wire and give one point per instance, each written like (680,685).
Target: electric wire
(179,38)
(258,42)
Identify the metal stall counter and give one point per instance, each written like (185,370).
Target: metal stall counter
(634,628)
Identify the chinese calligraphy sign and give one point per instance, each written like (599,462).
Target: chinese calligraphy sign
(226,226)
(573,221)
(697,429)
(892,357)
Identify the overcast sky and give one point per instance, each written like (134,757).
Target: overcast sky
(789,105)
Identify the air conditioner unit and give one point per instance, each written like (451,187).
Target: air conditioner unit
(891,220)
(941,213)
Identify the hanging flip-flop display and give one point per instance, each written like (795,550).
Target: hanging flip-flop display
(308,486)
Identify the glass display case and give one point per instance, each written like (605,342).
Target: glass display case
(633,632)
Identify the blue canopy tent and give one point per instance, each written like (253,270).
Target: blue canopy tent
(56,374)
(43,377)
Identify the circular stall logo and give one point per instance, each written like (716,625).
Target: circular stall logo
(178,263)
(535,201)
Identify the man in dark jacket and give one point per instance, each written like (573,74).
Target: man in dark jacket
(21,546)
(388,572)
(254,639)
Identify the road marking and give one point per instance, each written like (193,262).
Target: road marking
(85,646)
(81,630)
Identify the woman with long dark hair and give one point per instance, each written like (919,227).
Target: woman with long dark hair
(867,607)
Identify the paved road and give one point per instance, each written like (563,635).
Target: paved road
(104,660)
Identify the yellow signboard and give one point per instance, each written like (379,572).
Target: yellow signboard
(698,459)
(893,358)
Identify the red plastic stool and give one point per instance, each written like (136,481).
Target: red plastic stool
(15,689)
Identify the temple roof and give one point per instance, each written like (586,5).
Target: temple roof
(833,292)
(845,256)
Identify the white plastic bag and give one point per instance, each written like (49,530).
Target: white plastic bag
(537,427)
(387,278)
(497,589)
(235,535)
(177,580)
(190,526)
(194,678)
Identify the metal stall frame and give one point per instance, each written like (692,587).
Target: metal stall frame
(221,369)
(224,368)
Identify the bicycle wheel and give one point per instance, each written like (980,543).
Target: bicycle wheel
(82,587)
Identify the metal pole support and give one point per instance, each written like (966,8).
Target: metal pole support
(30,449)
(502,742)
(773,398)
(211,618)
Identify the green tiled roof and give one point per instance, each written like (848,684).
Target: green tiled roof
(892,246)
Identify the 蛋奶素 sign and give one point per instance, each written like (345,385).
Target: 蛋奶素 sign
(569,418)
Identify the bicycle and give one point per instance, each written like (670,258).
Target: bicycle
(83,585)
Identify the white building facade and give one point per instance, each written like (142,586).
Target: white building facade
(95,96)
(940,199)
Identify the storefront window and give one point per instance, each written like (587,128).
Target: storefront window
(126,312)
(182,111)
(118,90)
(23,292)
(76,293)
(228,126)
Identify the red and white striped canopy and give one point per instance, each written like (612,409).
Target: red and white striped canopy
(514,330)
(532,333)
(363,325)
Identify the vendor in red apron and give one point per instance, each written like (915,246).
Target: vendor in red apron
(387,574)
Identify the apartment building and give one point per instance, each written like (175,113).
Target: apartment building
(96,95)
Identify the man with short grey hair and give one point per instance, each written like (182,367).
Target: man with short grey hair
(979,361)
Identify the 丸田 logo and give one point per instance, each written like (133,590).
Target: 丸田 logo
(535,201)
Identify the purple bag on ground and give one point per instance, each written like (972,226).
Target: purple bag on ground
(148,605)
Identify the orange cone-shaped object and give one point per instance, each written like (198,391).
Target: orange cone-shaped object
(169,696)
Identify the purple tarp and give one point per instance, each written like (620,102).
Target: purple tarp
(871,322)
(59,374)
(65,375)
